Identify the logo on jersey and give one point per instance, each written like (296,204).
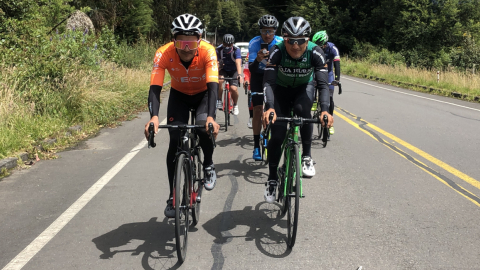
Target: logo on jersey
(295,72)
(190,79)
(157,58)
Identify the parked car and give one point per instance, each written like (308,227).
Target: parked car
(243,49)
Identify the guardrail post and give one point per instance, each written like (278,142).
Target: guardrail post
(438,76)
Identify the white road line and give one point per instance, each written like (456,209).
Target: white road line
(413,95)
(36,245)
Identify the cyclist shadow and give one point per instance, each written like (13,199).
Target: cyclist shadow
(158,247)
(266,227)
(246,168)
(246,142)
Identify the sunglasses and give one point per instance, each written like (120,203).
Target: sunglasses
(182,44)
(267,32)
(298,41)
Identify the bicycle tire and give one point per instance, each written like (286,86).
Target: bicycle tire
(182,202)
(225,107)
(199,174)
(293,187)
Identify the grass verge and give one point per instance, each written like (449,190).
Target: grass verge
(417,78)
(95,99)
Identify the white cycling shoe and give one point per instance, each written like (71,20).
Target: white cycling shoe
(307,167)
(249,124)
(270,194)
(219,104)
(236,111)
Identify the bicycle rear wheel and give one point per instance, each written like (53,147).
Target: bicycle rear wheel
(293,196)
(182,205)
(197,186)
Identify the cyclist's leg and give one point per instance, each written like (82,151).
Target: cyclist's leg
(221,74)
(331,78)
(205,141)
(278,133)
(302,104)
(177,113)
(282,108)
(201,118)
(257,101)
(234,86)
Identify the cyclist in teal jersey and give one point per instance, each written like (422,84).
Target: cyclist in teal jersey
(288,83)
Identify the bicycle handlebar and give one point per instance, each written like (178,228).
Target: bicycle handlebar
(299,120)
(151,132)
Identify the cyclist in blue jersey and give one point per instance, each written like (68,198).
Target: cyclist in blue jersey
(230,65)
(333,60)
(257,59)
(289,85)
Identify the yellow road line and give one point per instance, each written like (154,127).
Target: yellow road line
(441,164)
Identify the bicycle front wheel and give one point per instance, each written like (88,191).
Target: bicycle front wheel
(197,186)
(182,205)
(293,196)
(226,106)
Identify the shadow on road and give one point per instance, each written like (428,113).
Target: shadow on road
(266,228)
(246,142)
(252,171)
(158,248)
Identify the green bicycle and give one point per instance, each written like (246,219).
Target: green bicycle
(290,174)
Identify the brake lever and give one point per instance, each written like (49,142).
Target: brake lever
(151,136)
(326,131)
(210,130)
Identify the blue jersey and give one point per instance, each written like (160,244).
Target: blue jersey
(228,56)
(254,47)
(331,54)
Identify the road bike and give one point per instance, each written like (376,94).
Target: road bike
(290,173)
(189,180)
(323,132)
(227,101)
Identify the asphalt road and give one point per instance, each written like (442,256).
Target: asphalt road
(397,187)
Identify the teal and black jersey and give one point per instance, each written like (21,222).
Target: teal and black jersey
(294,72)
(284,71)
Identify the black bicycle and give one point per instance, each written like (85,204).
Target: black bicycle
(189,180)
(323,132)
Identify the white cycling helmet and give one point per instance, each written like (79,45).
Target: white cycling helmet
(295,27)
(187,24)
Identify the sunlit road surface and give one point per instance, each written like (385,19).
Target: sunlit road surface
(397,187)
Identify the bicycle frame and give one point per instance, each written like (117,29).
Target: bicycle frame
(290,139)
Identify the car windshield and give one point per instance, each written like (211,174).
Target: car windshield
(243,48)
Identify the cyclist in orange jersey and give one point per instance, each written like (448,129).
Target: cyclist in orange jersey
(192,65)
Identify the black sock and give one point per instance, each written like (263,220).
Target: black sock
(251,113)
(256,139)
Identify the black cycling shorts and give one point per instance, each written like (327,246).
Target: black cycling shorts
(231,74)
(179,104)
(256,86)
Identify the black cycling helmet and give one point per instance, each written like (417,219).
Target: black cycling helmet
(268,21)
(187,24)
(295,27)
(228,39)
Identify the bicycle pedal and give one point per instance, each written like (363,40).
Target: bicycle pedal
(303,196)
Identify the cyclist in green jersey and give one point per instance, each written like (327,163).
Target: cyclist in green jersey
(288,84)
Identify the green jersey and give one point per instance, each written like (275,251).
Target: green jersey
(295,72)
